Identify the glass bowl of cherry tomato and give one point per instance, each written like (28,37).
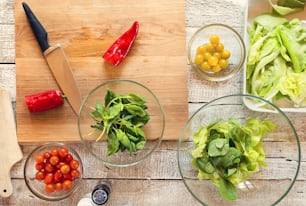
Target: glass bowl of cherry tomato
(53,171)
(216,52)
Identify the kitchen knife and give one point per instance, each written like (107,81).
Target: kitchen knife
(10,152)
(57,61)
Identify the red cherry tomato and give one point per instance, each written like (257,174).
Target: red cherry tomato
(65,169)
(49,168)
(40,175)
(74,174)
(54,152)
(58,176)
(58,186)
(48,178)
(54,160)
(39,159)
(39,166)
(67,184)
(63,152)
(50,188)
(59,165)
(68,158)
(47,155)
(74,164)
(67,176)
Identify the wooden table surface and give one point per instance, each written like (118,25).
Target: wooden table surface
(156,181)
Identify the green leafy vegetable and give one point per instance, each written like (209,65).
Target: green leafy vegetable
(276,58)
(284,7)
(121,118)
(228,152)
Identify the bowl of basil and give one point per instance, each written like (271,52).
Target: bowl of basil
(121,122)
(229,154)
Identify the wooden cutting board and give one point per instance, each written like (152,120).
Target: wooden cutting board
(10,152)
(86,29)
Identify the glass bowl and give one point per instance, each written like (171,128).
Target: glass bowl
(279,149)
(39,165)
(132,133)
(199,54)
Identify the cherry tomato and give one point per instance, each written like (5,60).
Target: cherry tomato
(67,184)
(50,188)
(39,159)
(74,174)
(39,166)
(58,176)
(39,175)
(58,186)
(74,164)
(214,39)
(213,61)
(58,166)
(54,152)
(48,178)
(67,176)
(65,169)
(49,167)
(47,155)
(68,158)
(63,152)
(54,160)
(225,54)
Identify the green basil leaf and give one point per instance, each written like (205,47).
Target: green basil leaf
(135,110)
(112,144)
(110,95)
(227,190)
(205,165)
(136,98)
(140,145)
(218,147)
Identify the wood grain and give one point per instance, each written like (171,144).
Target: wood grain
(85,30)
(10,152)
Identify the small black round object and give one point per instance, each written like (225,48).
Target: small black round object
(100,194)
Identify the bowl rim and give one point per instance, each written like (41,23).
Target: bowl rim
(201,73)
(83,141)
(185,128)
(69,192)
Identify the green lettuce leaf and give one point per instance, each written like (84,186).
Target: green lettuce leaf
(227,152)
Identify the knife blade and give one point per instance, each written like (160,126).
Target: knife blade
(57,62)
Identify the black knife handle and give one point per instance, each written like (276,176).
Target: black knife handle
(39,31)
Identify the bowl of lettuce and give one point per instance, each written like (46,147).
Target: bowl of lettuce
(229,154)
(276,62)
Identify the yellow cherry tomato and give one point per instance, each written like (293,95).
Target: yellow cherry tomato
(201,49)
(213,61)
(216,68)
(199,58)
(225,54)
(219,47)
(217,54)
(223,63)
(214,39)
(206,56)
(209,47)
(205,66)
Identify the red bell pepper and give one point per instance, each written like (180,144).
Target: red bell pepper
(44,101)
(119,49)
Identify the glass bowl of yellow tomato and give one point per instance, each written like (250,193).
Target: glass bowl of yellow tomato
(217,52)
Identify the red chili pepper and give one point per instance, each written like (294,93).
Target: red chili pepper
(119,49)
(44,101)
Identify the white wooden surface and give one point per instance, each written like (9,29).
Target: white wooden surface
(156,181)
